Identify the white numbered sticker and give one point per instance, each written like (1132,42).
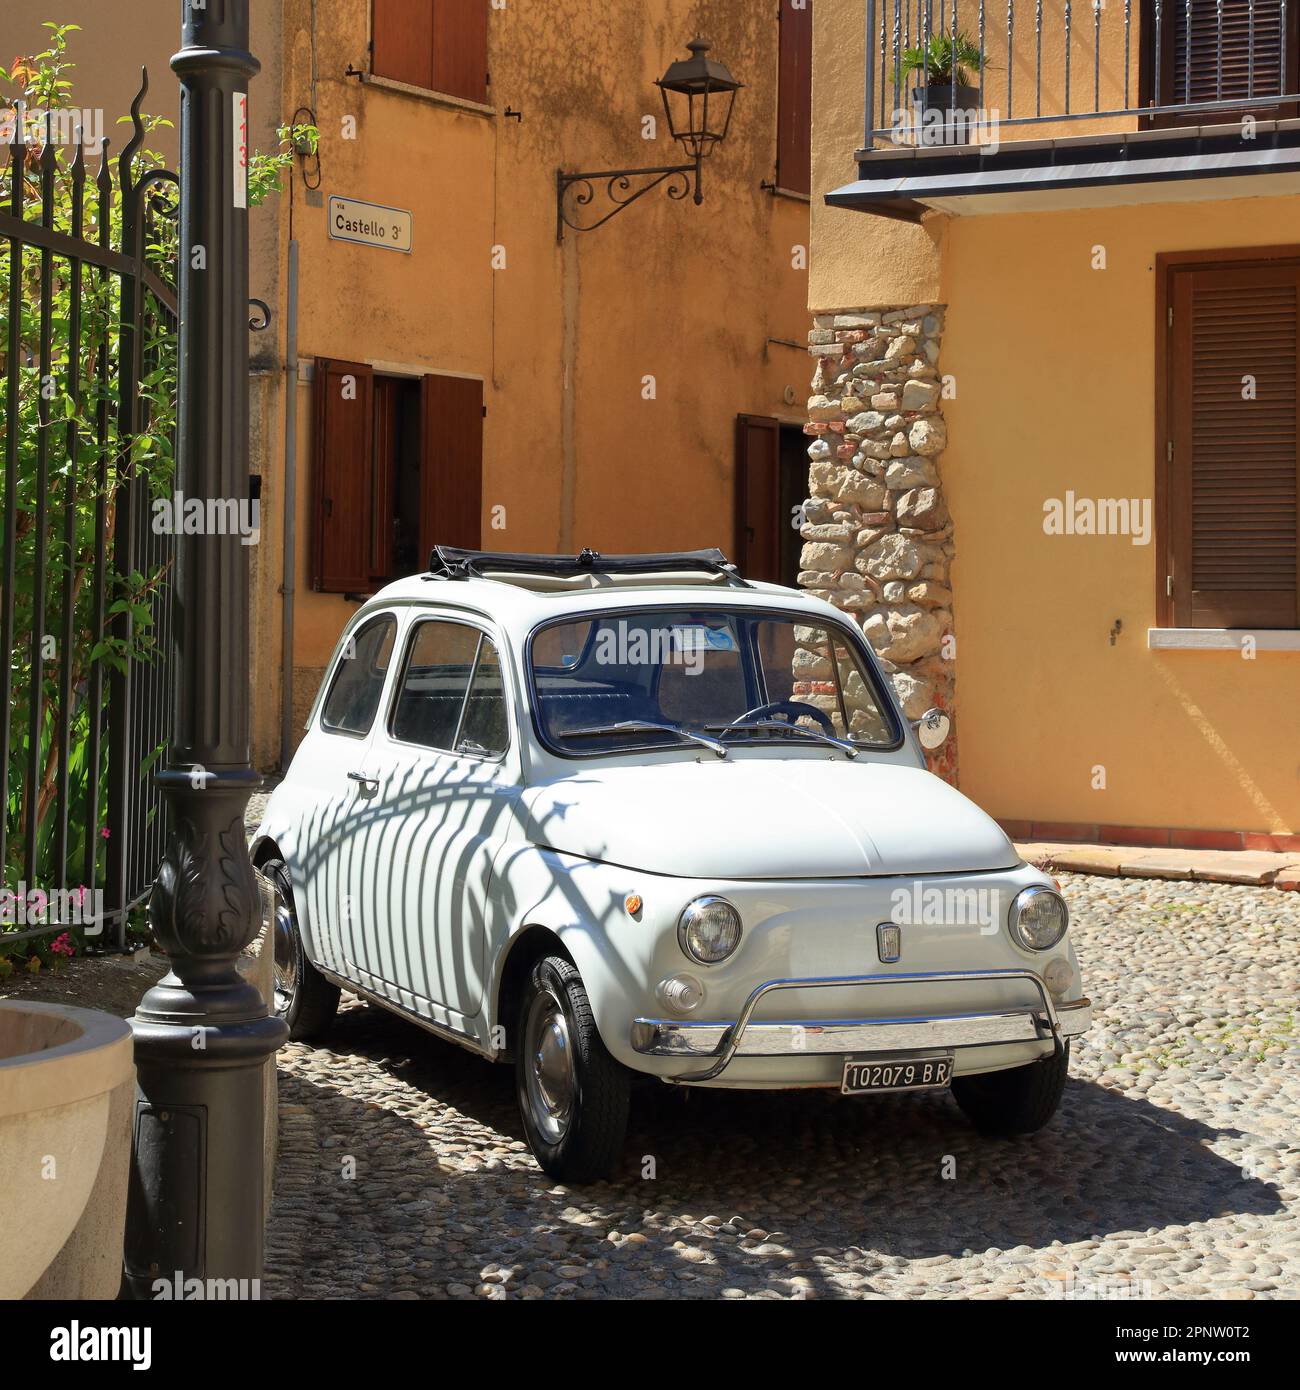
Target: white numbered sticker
(241,148)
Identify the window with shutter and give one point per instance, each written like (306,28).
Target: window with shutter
(794,98)
(342,476)
(1201,61)
(451,510)
(1231,421)
(397,469)
(440,45)
(401,44)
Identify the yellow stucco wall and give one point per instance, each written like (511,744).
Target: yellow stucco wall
(1054,368)
(565,334)
(1054,364)
(899,264)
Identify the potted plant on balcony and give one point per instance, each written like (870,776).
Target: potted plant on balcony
(949,63)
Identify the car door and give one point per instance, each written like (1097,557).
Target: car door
(333,797)
(447,770)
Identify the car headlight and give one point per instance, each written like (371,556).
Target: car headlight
(709,930)
(1038,918)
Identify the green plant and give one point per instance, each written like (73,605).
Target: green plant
(946,60)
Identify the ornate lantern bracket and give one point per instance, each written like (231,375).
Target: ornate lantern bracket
(691,82)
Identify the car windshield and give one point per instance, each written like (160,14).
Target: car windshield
(726,678)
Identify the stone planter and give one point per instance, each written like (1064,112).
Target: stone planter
(67,1087)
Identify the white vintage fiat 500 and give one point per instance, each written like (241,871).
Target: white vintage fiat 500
(626,817)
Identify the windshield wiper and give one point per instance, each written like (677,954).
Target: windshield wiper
(641,726)
(844,745)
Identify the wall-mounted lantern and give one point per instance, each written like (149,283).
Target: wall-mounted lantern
(698,95)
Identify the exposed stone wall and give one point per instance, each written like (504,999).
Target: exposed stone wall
(877,535)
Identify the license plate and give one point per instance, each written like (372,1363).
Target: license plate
(898,1074)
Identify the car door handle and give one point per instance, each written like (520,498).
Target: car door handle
(369,785)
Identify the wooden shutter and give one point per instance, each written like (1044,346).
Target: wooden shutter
(451,482)
(387,445)
(1195,68)
(342,468)
(758,497)
(460,48)
(402,41)
(794,99)
(440,45)
(1233,462)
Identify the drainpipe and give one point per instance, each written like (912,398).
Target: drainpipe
(290,510)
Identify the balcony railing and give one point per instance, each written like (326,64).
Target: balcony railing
(1082,66)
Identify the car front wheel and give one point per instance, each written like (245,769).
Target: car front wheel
(573,1096)
(1019,1100)
(304,998)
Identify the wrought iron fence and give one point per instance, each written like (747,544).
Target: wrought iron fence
(1038,62)
(88,327)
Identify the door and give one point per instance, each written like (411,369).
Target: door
(334,800)
(452,483)
(1220,51)
(447,776)
(758,497)
(771,486)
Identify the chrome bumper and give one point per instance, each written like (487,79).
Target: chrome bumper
(721,1041)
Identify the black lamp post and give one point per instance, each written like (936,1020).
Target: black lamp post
(698,95)
(203,1034)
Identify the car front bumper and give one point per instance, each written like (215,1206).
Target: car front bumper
(721,1041)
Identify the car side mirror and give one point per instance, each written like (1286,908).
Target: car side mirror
(932,729)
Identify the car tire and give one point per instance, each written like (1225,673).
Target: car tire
(1020,1100)
(573,1096)
(304,998)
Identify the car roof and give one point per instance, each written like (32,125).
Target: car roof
(519,604)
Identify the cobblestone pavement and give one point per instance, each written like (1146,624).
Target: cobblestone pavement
(1172,1170)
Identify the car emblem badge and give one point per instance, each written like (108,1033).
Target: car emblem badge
(889,942)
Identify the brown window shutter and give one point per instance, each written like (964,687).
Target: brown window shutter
(794,100)
(402,33)
(1194,67)
(1233,476)
(452,473)
(758,497)
(386,447)
(342,467)
(460,48)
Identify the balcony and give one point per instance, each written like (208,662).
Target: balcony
(1060,104)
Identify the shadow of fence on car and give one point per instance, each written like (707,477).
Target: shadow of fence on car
(358,856)
(812,1171)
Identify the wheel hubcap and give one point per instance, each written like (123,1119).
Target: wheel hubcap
(287,963)
(550,1077)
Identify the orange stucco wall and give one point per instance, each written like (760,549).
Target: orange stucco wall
(565,334)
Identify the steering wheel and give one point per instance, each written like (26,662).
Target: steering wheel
(791,709)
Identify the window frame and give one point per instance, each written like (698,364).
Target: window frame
(484,632)
(886,698)
(1164,493)
(336,669)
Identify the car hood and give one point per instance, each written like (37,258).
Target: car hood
(760,817)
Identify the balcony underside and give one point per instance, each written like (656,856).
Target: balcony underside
(1150,166)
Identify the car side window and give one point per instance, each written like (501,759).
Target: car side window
(359,677)
(485,730)
(451,696)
